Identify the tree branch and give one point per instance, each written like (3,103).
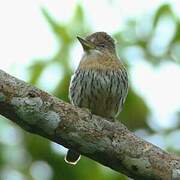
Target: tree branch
(108,143)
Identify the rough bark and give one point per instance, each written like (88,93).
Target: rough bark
(109,143)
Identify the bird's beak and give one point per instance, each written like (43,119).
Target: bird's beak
(87,45)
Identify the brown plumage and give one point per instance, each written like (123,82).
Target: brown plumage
(100,83)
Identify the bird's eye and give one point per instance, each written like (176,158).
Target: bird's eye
(102,45)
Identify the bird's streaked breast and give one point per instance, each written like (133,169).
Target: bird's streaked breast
(103,92)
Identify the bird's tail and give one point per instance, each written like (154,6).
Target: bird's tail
(72,157)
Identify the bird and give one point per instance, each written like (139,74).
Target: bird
(100,82)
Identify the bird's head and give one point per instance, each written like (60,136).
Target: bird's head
(99,41)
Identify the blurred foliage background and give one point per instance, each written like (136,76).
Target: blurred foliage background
(27,156)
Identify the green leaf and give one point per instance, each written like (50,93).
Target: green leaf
(165,9)
(59,29)
(177,34)
(79,14)
(36,70)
